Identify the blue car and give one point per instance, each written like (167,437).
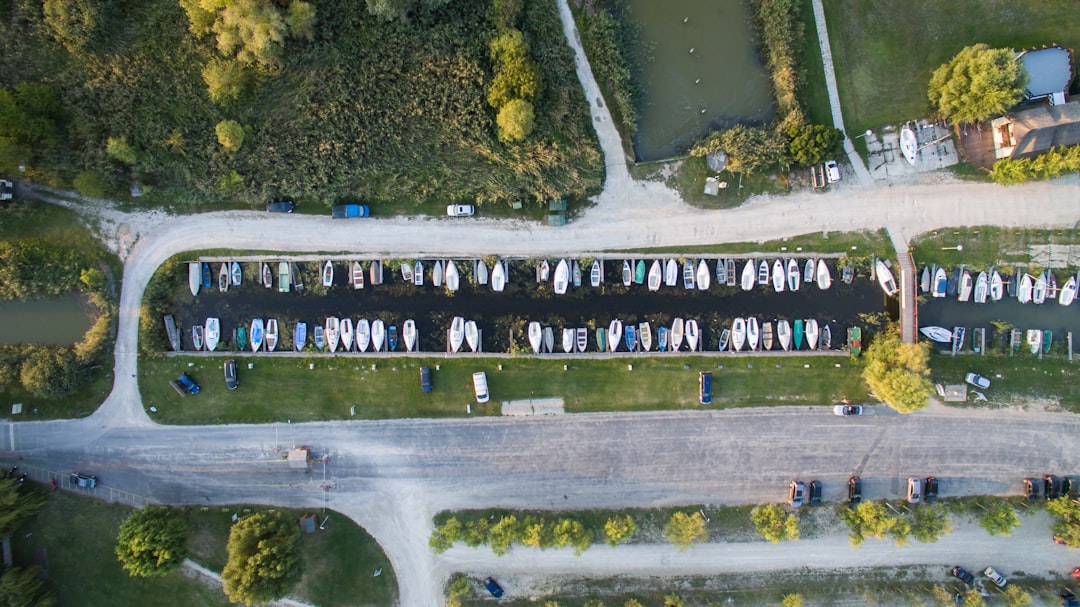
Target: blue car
(188,383)
(493,587)
(705,387)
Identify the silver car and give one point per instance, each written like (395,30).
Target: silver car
(460,210)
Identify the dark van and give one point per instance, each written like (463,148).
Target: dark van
(705,387)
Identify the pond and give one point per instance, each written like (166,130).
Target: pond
(524,300)
(61,321)
(703,73)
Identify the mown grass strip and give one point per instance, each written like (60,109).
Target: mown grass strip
(986,246)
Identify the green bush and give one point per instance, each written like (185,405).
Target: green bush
(51,372)
(1054,163)
(516,120)
(301,20)
(226,80)
(230,134)
(610,38)
(118,149)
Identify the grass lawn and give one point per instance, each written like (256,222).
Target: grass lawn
(815,94)
(688,177)
(985,246)
(279,389)
(884,52)
(1015,380)
(854,244)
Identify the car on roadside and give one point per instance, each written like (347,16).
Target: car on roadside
(996,577)
(962,574)
(832,171)
(189,384)
(914,490)
(1051,487)
(846,410)
(350,211)
(930,489)
(705,387)
(493,587)
(230,374)
(425,379)
(854,490)
(796,493)
(480,387)
(85,481)
(815,493)
(1069,600)
(7,189)
(1031,488)
(1067,486)
(281,206)
(460,210)
(978,381)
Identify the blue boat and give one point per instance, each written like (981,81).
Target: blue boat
(206,276)
(241,338)
(798,329)
(631,338)
(391,337)
(601,340)
(661,339)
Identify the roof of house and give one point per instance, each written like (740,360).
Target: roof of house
(1049,70)
(1047,126)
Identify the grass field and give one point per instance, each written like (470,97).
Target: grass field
(1015,380)
(885,51)
(853,244)
(814,92)
(985,246)
(279,389)
(75,536)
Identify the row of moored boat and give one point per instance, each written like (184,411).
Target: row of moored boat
(335,335)
(991,286)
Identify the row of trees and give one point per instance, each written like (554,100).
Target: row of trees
(877,520)
(898,373)
(518,81)
(1055,163)
(21,586)
(532,531)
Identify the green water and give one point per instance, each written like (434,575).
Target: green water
(688,94)
(61,321)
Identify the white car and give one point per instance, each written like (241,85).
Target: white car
(845,410)
(996,577)
(914,490)
(460,210)
(978,381)
(832,171)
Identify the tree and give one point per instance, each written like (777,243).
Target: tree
(230,134)
(977,84)
(898,373)
(632,603)
(445,535)
(301,20)
(76,24)
(252,30)
(673,600)
(152,541)
(118,149)
(51,372)
(568,532)
(619,530)
(1067,525)
(476,533)
(999,518)
(505,13)
(872,520)
(814,143)
(28,113)
(685,530)
(503,534)
(930,523)
(792,600)
(200,18)
(516,120)
(1016,596)
(263,558)
(23,587)
(517,76)
(773,524)
(17,504)
(972,598)
(534,533)
(226,80)
(398,10)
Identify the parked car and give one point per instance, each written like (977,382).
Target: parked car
(832,171)
(978,381)
(1031,488)
(914,490)
(705,387)
(7,189)
(479,380)
(961,574)
(460,210)
(425,379)
(930,489)
(230,374)
(1067,486)
(996,577)
(493,587)
(796,492)
(1051,487)
(815,493)
(188,383)
(349,211)
(281,206)
(854,490)
(1069,600)
(845,410)
(85,481)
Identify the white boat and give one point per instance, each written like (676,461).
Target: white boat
(544,270)
(267,276)
(582,339)
(1034,340)
(332,325)
(319,338)
(824,277)
(783,334)
(406,272)
(362,329)
(437,274)
(645,336)
(811,332)
(1066,296)
(376,273)
(688,274)
(982,287)
(809,270)
(418,273)
(300,336)
(472,335)
(328,273)
(271,334)
(627,274)
(692,335)
(345,330)
(1038,292)
(794,277)
(1023,291)
(940,283)
(457,333)
(194,277)
(594,274)
(655,275)
(753,333)
(236,274)
(766,336)
(614,334)
(738,334)
(779,279)
(997,286)
(498,277)
(909,143)
(378,335)
(569,336)
(562,277)
(212,333)
(284,277)
(671,273)
(924,281)
(677,333)
(826,337)
(356,276)
(453,278)
(408,334)
(938,334)
(748,275)
(481,272)
(964,288)
(256,336)
(725,339)
(763,273)
(549,339)
(223,278)
(885,278)
(703,276)
(536,335)
(197,337)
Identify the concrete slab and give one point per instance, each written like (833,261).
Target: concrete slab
(534,406)
(937,150)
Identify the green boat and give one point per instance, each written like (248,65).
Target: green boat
(601,340)
(854,340)
(241,339)
(639,272)
(797,330)
(1048,336)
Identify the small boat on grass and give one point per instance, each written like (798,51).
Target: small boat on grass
(172,332)
(562,277)
(300,336)
(328,273)
(362,330)
(549,339)
(766,336)
(982,288)
(703,277)
(241,338)
(826,337)
(498,277)
(614,334)
(1034,340)
(472,335)
(223,278)
(688,274)
(212,333)
(356,276)
(854,340)
(940,283)
(779,277)
(824,277)
(811,332)
(582,339)
(257,334)
(194,278)
(630,336)
(345,331)
(725,340)
(332,327)
(206,279)
(738,334)
(267,275)
(406,272)
(391,338)
(746,281)
(729,266)
(536,336)
(594,274)
(655,275)
(797,334)
(575,274)
(378,335)
(958,336)
(693,336)
(197,337)
(236,275)
(794,277)
(662,338)
(938,334)
(639,272)
(437,274)
(885,278)
(418,273)
(453,277)
(678,329)
(320,337)
(763,273)
(481,272)
(601,339)
(783,334)
(408,334)
(284,283)
(271,334)
(645,336)
(671,273)
(1068,292)
(753,333)
(569,336)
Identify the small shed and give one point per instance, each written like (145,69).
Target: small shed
(307,523)
(298,458)
(953,393)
